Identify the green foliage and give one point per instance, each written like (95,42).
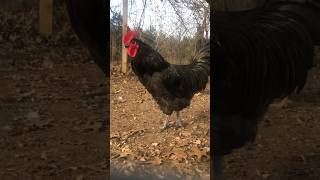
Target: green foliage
(115,36)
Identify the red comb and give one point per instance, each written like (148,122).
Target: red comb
(129,36)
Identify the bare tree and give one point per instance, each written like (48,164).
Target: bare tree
(200,10)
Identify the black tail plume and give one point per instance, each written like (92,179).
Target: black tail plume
(306,12)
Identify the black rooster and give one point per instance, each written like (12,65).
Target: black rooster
(172,86)
(89,21)
(259,55)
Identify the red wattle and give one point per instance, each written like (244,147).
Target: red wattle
(133,50)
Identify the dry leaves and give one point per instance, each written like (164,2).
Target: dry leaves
(157,161)
(195,151)
(125,152)
(179,155)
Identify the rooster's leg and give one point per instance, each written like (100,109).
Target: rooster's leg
(165,124)
(179,120)
(284,103)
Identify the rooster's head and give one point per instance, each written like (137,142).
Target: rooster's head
(128,41)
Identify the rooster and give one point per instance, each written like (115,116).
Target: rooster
(88,19)
(259,55)
(172,86)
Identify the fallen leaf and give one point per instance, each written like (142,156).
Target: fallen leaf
(198,153)
(125,152)
(33,115)
(198,142)
(7,128)
(80,177)
(154,144)
(142,159)
(157,161)
(47,64)
(182,143)
(44,155)
(120,99)
(114,136)
(207,149)
(179,155)
(74,168)
(265,176)
(186,134)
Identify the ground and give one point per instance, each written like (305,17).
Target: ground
(51,104)
(135,134)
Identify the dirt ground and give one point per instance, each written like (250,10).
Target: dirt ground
(51,104)
(136,137)
(288,142)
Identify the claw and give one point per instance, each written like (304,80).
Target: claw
(179,120)
(163,127)
(283,104)
(165,124)
(179,124)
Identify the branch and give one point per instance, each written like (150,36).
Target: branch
(179,15)
(142,14)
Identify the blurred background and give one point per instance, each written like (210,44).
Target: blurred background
(174,28)
(52,96)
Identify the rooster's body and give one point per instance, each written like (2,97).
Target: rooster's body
(259,55)
(88,19)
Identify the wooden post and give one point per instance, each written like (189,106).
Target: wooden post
(45,16)
(204,25)
(124,65)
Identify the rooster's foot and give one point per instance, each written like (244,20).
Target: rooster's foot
(179,121)
(164,127)
(165,124)
(179,124)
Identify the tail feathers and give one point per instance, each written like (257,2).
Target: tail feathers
(306,12)
(88,21)
(202,59)
(186,80)
(265,3)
